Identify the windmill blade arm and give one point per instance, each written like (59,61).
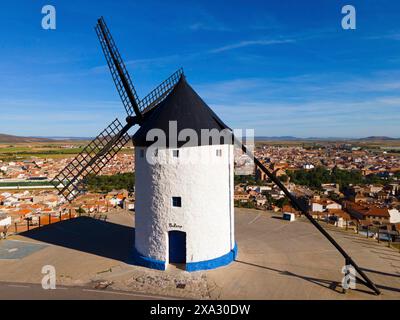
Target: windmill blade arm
(159,93)
(93,158)
(118,70)
(300,207)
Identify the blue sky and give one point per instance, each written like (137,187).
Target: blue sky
(279,67)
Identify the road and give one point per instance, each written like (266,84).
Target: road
(19,291)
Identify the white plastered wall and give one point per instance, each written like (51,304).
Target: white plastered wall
(204,181)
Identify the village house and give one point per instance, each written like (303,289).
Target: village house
(129,204)
(372,213)
(330,188)
(321,205)
(241,196)
(117,200)
(261,200)
(279,170)
(290,210)
(339,218)
(5,220)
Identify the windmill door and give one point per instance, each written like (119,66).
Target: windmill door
(177,247)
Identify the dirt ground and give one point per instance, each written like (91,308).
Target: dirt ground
(277,260)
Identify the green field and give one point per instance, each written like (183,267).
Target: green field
(19,151)
(12,152)
(15,152)
(25,184)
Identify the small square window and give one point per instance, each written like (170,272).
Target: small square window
(219,153)
(175,153)
(177,202)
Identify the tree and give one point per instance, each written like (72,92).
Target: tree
(80,211)
(314,178)
(242,179)
(282,202)
(284,178)
(105,184)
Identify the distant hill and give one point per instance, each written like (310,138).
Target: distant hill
(282,138)
(67,138)
(380,138)
(291,138)
(5,138)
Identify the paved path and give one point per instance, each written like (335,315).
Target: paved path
(18,291)
(12,250)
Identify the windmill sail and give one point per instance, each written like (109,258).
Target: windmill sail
(160,93)
(118,70)
(93,158)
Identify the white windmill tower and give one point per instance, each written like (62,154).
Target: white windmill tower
(184,190)
(184,211)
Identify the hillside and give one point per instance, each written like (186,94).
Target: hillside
(5,138)
(379,138)
(291,138)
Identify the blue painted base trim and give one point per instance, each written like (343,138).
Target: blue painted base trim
(224,260)
(214,263)
(143,261)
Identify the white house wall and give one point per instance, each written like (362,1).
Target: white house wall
(394,216)
(316,207)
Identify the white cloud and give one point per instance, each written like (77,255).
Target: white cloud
(388,36)
(247,43)
(201,26)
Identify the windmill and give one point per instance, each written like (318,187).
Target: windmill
(163,210)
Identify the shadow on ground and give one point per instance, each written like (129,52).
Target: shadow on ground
(329,284)
(115,241)
(106,239)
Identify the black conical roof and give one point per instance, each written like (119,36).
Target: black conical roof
(184,106)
